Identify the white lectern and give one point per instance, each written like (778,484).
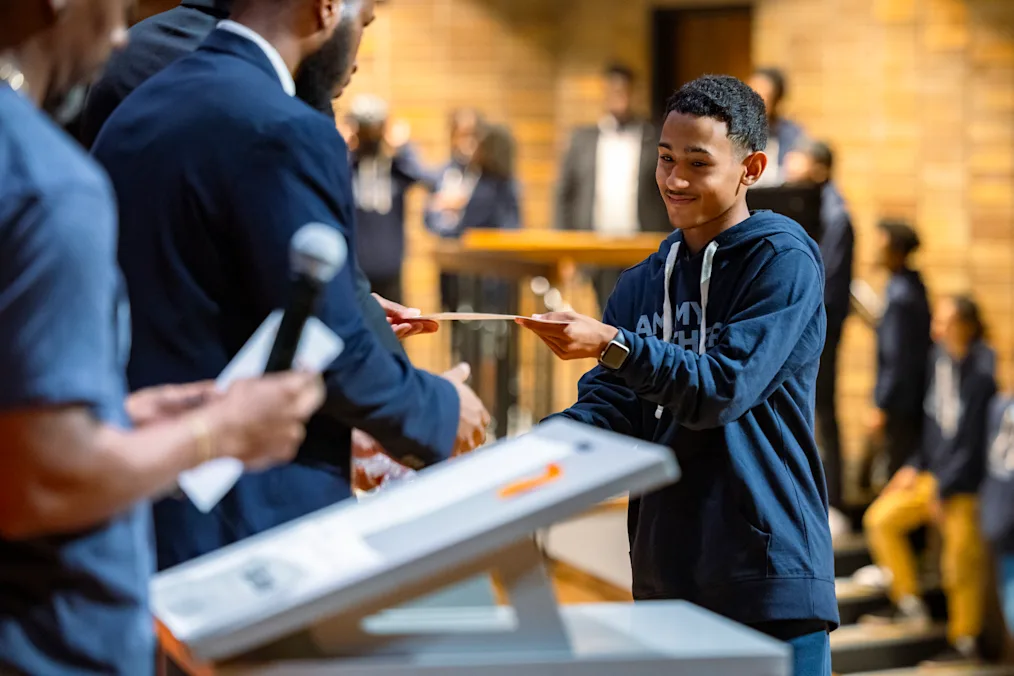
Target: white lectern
(329,594)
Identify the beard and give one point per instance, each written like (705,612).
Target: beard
(323,72)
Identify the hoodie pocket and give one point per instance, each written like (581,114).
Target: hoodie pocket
(732,548)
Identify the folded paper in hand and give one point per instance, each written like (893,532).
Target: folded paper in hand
(478,317)
(207,484)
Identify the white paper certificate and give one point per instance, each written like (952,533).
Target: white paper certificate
(207,484)
(478,317)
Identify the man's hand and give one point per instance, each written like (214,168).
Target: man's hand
(158,404)
(403,320)
(572,335)
(473,419)
(262,421)
(903,480)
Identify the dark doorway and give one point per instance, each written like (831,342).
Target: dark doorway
(688,43)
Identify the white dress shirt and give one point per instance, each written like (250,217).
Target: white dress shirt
(284,76)
(617,175)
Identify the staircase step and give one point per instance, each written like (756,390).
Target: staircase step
(856,600)
(858,648)
(850,554)
(956,670)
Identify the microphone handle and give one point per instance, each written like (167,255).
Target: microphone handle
(290,329)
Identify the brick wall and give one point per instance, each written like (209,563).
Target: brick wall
(918,98)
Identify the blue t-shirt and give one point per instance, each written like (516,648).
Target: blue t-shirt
(75,603)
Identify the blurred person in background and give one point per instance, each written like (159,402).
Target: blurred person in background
(939,483)
(80,458)
(607,181)
(813,163)
(903,346)
(384,167)
(997,499)
(487,196)
(783,133)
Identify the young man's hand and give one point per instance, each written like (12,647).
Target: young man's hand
(158,404)
(571,335)
(403,320)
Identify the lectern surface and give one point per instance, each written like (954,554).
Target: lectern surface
(345,557)
(645,639)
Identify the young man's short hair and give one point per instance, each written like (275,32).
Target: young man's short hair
(901,237)
(777,79)
(621,71)
(725,98)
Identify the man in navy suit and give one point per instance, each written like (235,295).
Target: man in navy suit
(216,164)
(161,39)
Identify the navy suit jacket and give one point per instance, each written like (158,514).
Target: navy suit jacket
(154,44)
(215,168)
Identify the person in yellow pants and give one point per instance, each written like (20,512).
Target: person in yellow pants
(938,485)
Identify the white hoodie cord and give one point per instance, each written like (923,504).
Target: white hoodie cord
(667,319)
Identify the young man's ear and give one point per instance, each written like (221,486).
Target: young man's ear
(753,166)
(23,19)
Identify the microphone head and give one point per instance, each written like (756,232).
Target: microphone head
(318,251)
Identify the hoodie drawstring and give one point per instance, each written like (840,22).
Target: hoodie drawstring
(667,317)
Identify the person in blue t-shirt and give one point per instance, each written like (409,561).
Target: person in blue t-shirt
(75,540)
(711,347)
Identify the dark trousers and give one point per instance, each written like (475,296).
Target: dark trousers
(828,435)
(902,436)
(604,280)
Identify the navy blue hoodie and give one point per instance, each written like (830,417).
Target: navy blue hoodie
(996,504)
(744,533)
(953,448)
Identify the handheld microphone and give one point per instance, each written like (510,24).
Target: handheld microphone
(316,255)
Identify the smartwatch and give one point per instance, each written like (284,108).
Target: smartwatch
(615,353)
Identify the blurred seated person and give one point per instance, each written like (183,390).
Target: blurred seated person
(783,134)
(997,499)
(607,181)
(384,167)
(903,345)
(939,483)
(812,163)
(486,196)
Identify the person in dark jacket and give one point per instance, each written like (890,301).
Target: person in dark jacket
(940,481)
(903,344)
(997,499)
(607,181)
(784,135)
(384,167)
(711,346)
(485,196)
(216,165)
(160,40)
(814,163)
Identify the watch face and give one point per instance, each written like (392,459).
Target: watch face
(614,355)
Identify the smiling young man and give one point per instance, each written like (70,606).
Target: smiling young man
(711,346)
